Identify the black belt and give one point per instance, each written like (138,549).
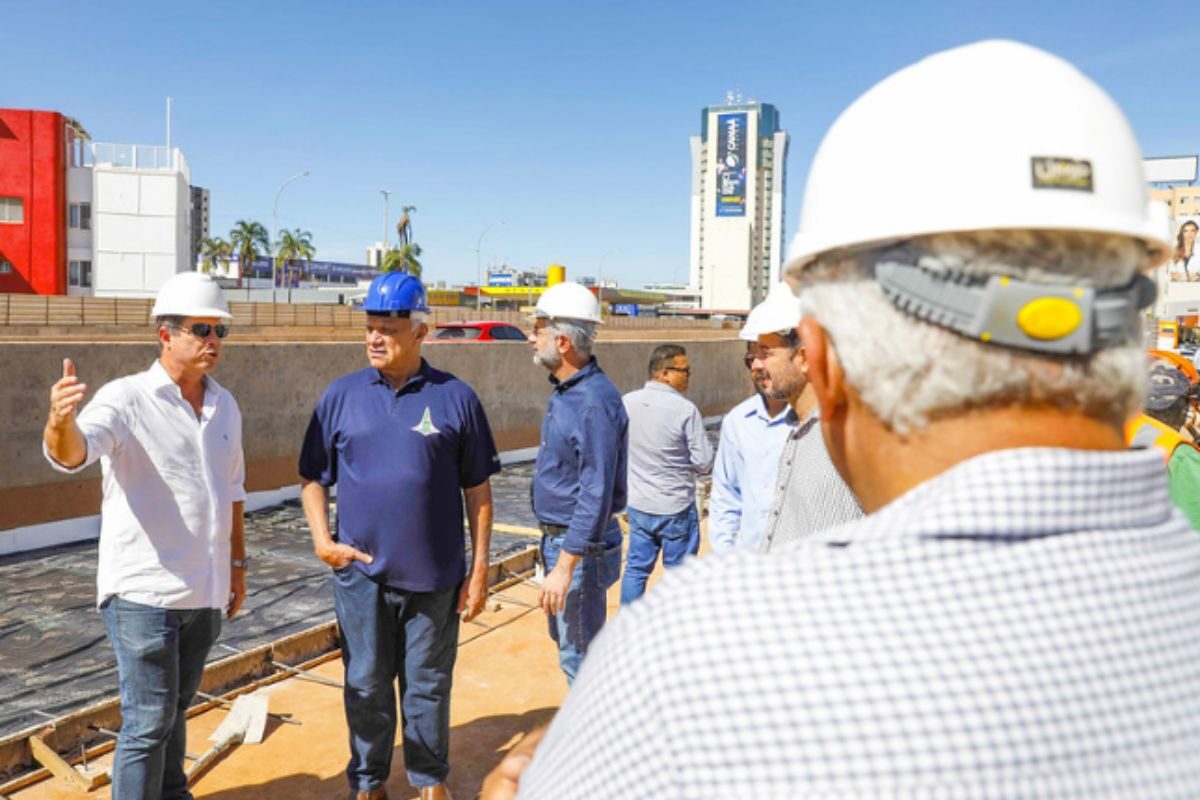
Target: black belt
(549,529)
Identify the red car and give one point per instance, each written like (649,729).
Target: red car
(484,331)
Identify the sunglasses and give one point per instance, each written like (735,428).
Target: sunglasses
(684,370)
(202,330)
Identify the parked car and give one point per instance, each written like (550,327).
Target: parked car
(485,331)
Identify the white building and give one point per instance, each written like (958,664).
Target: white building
(129,219)
(376,253)
(737,205)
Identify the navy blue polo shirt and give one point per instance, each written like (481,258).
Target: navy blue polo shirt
(579,479)
(400,459)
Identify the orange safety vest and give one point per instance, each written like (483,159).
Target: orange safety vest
(1145,431)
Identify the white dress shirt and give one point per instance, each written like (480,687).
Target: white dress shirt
(1022,625)
(169,481)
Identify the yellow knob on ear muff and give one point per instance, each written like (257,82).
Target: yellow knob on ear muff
(1048,318)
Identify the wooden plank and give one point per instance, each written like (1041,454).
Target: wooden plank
(48,758)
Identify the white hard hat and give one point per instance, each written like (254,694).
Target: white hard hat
(991,136)
(569,300)
(190,294)
(779,312)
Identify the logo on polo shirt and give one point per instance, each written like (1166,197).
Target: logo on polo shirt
(426,427)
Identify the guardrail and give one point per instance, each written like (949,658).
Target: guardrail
(29,309)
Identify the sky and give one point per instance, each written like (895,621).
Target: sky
(568,121)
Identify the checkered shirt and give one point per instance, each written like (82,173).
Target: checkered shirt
(810,496)
(1027,624)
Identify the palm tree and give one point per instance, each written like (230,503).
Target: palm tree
(294,245)
(249,240)
(403,259)
(404,226)
(215,253)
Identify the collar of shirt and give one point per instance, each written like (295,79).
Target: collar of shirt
(160,380)
(588,369)
(1028,492)
(416,379)
(659,386)
(759,410)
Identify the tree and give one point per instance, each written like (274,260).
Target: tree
(403,259)
(404,226)
(215,253)
(294,246)
(249,240)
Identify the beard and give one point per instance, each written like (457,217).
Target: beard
(785,383)
(548,356)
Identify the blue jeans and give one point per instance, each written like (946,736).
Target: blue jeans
(677,535)
(577,624)
(389,634)
(160,661)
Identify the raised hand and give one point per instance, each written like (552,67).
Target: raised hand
(65,396)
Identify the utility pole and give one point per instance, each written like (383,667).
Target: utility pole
(386,195)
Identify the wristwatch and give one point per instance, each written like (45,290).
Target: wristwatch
(238,563)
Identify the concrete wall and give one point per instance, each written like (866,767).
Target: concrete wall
(277,384)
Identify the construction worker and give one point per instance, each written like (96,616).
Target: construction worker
(668,451)
(1015,615)
(753,434)
(1161,426)
(172,553)
(405,444)
(579,479)
(809,495)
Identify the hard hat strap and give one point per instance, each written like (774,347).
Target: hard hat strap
(1058,320)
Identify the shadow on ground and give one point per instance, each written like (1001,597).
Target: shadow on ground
(475,748)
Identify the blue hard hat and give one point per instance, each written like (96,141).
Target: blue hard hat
(396,294)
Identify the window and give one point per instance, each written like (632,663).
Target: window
(6,267)
(508,333)
(79,273)
(12,210)
(80,216)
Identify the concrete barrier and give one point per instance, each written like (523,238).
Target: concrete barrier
(276,386)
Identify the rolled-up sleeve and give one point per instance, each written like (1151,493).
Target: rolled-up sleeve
(237,472)
(725,503)
(102,425)
(596,442)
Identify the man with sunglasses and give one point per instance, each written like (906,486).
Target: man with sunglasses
(172,555)
(752,437)
(668,450)
(405,444)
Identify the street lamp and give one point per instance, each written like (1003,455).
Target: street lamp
(386,195)
(479,266)
(600,280)
(275,225)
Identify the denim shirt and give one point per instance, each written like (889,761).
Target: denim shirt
(579,479)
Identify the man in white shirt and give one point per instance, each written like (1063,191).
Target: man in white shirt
(172,554)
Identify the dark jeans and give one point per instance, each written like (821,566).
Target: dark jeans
(160,661)
(388,634)
(577,624)
(677,535)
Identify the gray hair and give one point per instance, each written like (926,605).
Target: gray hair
(170,322)
(582,334)
(910,373)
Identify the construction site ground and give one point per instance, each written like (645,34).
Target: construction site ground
(506,682)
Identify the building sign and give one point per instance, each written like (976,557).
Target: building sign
(731,165)
(1184,265)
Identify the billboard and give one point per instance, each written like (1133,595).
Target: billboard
(1173,169)
(731,165)
(1184,266)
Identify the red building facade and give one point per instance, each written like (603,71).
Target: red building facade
(33,202)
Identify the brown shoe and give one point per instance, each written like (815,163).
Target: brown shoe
(373,794)
(436,792)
